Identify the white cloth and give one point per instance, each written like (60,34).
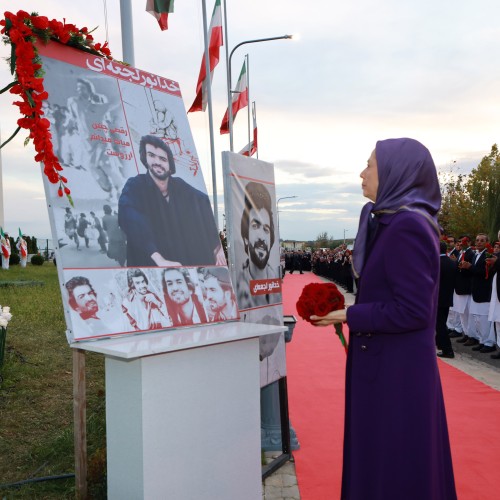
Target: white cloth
(479,308)
(480,329)
(460,303)
(494,311)
(453,322)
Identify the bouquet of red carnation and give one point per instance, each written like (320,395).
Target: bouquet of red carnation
(319,299)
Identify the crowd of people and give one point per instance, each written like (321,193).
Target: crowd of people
(470,287)
(335,265)
(105,232)
(297,260)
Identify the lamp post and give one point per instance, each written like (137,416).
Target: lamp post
(344,234)
(229,83)
(278,208)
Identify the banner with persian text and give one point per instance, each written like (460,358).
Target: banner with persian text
(139,249)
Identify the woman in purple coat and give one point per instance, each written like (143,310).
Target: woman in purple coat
(396,444)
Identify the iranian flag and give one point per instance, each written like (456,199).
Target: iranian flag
(160,9)
(22,246)
(5,244)
(251,148)
(214,44)
(239,100)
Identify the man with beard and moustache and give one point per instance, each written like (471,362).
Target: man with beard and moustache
(142,307)
(167,221)
(220,296)
(83,300)
(183,305)
(257,233)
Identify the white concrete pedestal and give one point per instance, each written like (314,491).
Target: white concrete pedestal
(183,413)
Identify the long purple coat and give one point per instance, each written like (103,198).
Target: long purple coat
(396,444)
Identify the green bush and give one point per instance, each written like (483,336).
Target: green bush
(14,259)
(37,260)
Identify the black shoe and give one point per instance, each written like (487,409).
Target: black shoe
(495,356)
(471,342)
(488,348)
(446,354)
(477,347)
(454,334)
(464,339)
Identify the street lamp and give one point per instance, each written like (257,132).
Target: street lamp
(278,208)
(344,234)
(229,83)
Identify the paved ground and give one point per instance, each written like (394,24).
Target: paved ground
(283,483)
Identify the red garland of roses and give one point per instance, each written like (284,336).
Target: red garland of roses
(319,299)
(22,30)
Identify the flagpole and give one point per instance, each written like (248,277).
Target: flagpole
(229,84)
(248,97)
(254,116)
(127,32)
(210,114)
(2,222)
(228,79)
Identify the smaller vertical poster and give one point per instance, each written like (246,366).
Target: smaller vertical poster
(253,246)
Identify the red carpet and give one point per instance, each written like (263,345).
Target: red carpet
(316,364)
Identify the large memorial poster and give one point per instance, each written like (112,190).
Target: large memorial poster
(253,250)
(139,249)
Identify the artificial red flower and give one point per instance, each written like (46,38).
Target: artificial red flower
(22,31)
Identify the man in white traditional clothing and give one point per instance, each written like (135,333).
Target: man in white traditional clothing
(479,327)
(494,311)
(22,248)
(6,250)
(142,307)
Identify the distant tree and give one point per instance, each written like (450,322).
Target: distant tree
(471,203)
(34,245)
(322,240)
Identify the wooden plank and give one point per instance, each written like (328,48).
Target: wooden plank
(80,423)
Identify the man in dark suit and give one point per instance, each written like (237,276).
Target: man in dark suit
(447,274)
(461,297)
(479,326)
(453,323)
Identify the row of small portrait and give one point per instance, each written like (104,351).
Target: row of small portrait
(104,302)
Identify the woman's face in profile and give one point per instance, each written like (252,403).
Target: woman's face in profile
(370,178)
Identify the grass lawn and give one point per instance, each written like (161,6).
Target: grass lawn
(36,398)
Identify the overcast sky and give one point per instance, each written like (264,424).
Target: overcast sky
(360,71)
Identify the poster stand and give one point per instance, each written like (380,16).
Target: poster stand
(80,422)
(182,412)
(286,455)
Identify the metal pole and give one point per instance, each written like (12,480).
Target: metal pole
(229,78)
(255,120)
(2,222)
(249,101)
(278,208)
(127,31)
(210,114)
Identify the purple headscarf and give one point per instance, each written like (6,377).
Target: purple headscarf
(407,181)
